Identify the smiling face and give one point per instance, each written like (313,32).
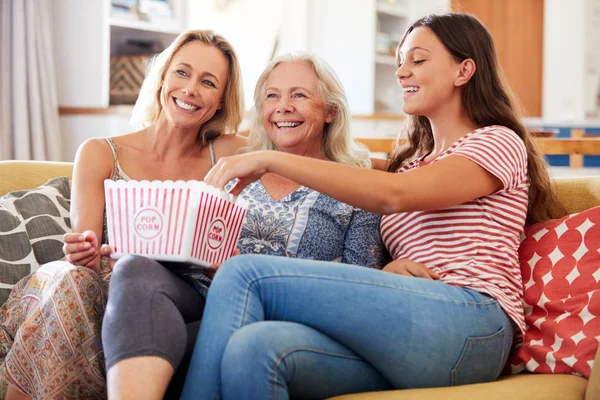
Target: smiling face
(294,115)
(427,73)
(194,84)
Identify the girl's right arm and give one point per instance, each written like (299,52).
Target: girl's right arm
(93,164)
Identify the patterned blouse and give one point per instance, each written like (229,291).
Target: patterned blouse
(308,224)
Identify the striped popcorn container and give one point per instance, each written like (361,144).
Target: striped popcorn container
(173,221)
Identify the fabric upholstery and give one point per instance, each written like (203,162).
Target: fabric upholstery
(522,386)
(32,224)
(578,194)
(19,175)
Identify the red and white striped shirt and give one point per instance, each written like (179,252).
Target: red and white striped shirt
(474,244)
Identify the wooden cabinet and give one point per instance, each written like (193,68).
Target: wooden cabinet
(517,27)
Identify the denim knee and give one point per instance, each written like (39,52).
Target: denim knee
(248,343)
(234,264)
(251,350)
(232,270)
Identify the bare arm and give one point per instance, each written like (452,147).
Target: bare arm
(379,164)
(228,145)
(448,182)
(93,164)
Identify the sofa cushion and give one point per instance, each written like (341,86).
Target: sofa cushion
(560,263)
(522,386)
(32,224)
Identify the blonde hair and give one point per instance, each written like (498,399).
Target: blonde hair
(148,107)
(338,144)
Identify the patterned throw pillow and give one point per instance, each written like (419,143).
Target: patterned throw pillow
(32,224)
(560,262)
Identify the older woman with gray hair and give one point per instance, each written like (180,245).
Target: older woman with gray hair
(300,108)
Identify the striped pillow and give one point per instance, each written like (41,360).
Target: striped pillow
(32,224)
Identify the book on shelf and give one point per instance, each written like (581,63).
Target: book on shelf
(156,11)
(124,9)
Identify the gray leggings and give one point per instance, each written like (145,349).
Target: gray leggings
(147,312)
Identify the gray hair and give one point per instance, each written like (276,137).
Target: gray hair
(338,144)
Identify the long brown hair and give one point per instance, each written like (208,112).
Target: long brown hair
(488,100)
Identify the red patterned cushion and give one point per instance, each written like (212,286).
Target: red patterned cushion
(560,262)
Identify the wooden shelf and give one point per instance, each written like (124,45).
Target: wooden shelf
(549,146)
(581,146)
(379,116)
(121,109)
(172,28)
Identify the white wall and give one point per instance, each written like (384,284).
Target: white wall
(250,25)
(81,52)
(342,32)
(592,59)
(294,34)
(563,60)
(77,129)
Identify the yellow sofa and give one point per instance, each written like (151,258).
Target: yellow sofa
(577,194)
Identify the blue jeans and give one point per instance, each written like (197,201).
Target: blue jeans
(276,327)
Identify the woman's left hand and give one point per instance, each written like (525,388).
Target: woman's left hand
(247,168)
(410,268)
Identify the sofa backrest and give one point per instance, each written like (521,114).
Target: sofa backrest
(17,175)
(576,194)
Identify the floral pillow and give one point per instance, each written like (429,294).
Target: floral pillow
(560,263)
(32,224)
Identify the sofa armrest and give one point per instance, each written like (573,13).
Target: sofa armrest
(592,391)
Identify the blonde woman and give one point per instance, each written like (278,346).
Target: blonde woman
(189,107)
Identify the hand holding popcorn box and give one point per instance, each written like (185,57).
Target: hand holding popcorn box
(173,221)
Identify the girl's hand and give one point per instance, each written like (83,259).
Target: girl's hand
(212,269)
(247,168)
(410,268)
(81,249)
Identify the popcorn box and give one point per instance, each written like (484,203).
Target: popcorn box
(173,221)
